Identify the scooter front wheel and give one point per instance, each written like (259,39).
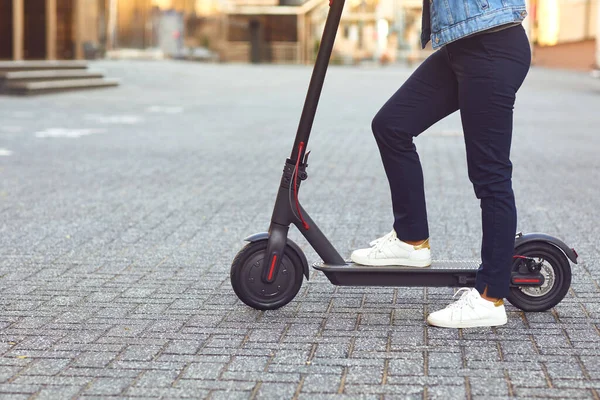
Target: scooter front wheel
(557,278)
(247,283)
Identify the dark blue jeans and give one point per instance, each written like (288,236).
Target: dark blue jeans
(480,76)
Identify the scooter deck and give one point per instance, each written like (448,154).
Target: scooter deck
(439,274)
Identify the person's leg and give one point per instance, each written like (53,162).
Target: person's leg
(430,94)
(490,70)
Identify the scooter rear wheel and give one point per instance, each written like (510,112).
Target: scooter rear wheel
(247,283)
(557,278)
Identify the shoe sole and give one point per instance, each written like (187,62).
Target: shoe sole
(392,262)
(469,324)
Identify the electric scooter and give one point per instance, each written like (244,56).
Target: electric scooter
(268,272)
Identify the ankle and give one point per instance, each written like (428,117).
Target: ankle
(492,299)
(495,300)
(415,242)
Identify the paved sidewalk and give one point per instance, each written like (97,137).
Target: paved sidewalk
(122,209)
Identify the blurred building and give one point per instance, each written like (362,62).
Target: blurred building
(289,31)
(47,29)
(564,33)
(277,31)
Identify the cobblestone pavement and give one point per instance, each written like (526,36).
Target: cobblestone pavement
(122,209)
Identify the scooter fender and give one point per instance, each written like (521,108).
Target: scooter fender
(521,239)
(257,237)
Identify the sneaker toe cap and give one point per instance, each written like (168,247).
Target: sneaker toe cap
(360,255)
(439,317)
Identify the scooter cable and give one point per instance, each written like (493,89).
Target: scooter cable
(296,171)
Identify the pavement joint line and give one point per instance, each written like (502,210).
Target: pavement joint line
(426,351)
(180,374)
(562,328)
(351,347)
(325,319)
(298,305)
(463,355)
(286,328)
(591,277)
(511,390)
(357,322)
(468,388)
(85,387)
(269,361)
(226,316)
(299,387)
(311,355)
(161,351)
(586,373)
(499,348)
(585,311)
(132,383)
(259,316)
(226,367)
(384,376)
(118,356)
(255,390)
(342,386)
(546,375)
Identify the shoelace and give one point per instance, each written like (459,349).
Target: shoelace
(383,241)
(465,299)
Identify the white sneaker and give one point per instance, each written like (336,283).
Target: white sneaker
(389,250)
(470,311)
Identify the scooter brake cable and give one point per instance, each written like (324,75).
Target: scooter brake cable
(296,170)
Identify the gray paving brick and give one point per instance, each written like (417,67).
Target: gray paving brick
(62,392)
(445,360)
(230,394)
(203,370)
(554,393)
(446,392)
(275,391)
(143,353)
(34,380)
(47,367)
(215,385)
(321,384)
(406,367)
(108,386)
(489,386)
(157,378)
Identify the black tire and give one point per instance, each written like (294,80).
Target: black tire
(247,283)
(556,260)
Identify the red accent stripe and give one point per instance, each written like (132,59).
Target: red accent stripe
(523,257)
(527,281)
(272,267)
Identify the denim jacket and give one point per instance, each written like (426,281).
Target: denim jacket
(445,21)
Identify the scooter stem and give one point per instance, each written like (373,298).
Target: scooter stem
(318,76)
